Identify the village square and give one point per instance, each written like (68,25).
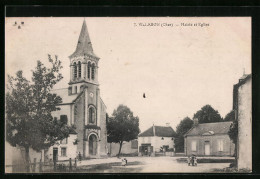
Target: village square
(68,129)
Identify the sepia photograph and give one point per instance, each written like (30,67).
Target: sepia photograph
(128,95)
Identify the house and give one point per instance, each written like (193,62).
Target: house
(242,105)
(209,139)
(128,148)
(156,139)
(81,106)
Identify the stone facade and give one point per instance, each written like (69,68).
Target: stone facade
(243,109)
(209,139)
(213,142)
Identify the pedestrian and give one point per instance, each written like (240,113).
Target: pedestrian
(124,162)
(79,156)
(195,161)
(189,160)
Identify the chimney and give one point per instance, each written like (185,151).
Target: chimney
(167,124)
(195,121)
(70,90)
(154,130)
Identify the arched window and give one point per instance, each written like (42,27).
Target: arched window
(79,66)
(89,67)
(92,115)
(75,70)
(93,72)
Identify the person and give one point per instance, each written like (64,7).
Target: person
(189,160)
(195,161)
(79,156)
(124,162)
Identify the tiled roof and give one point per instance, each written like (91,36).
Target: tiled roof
(63,93)
(161,131)
(84,45)
(209,129)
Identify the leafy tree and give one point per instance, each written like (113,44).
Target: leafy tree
(230,116)
(184,126)
(122,126)
(29,123)
(207,115)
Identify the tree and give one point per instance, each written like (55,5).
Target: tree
(230,116)
(29,123)
(207,115)
(122,126)
(184,126)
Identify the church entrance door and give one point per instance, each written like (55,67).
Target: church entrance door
(92,144)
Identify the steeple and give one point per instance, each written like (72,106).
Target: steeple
(84,46)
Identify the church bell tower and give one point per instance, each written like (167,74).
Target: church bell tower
(83,64)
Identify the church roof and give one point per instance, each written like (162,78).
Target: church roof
(210,129)
(84,45)
(161,131)
(63,93)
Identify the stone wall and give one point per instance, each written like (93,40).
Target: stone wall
(244,116)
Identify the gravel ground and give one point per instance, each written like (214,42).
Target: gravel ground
(146,165)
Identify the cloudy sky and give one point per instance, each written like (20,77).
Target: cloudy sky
(179,68)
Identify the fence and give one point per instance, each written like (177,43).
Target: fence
(44,167)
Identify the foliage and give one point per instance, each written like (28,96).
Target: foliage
(207,115)
(230,116)
(28,109)
(184,126)
(122,126)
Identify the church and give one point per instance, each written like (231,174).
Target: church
(81,106)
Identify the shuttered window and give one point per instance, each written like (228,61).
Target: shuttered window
(220,145)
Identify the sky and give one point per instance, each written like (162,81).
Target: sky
(179,67)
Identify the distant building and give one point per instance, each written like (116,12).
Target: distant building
(156,139)
(242,105)
(128,148)
(209,139)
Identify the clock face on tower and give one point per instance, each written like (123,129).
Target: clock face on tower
(91,95)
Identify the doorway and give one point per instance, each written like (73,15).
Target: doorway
(55,154)
(207,148)
(92,144)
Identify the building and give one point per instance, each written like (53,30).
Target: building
(242,105)
(156,139)
(209,139)
(128,148)
(82,106)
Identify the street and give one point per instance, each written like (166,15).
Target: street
(146,165)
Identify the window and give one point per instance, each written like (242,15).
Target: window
(92,115)
(79,64)
(93,72)
(220,145)
(194,146)
(64,141)
(63,151)
(75,70)
(64,119)
(89,67)
(76,89)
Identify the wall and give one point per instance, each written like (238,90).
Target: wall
(16,156)
(64,110)
(113,148)
(228,145)
(71,149)
(79,122)
(156,142)
(245,125)
(103,131)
